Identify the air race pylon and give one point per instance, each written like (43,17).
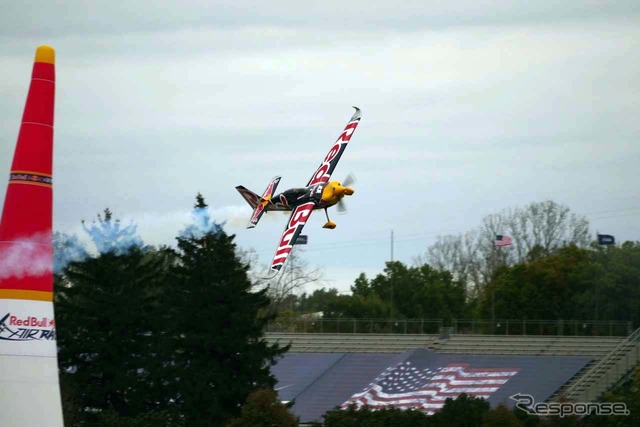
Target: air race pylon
(29,387)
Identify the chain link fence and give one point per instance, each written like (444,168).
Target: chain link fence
(457,326)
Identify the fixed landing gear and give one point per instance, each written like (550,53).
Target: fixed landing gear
(329,224)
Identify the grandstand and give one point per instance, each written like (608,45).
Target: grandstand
(352,343)
(587,365)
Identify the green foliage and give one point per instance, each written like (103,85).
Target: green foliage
(320,300)
(527,420)
(572,283)
(359,306)
(614,282)
(158,336)
(173,337)
(366,417)
(500,416)
(540,289)
(629,394)
(401,292)
(413,292)
(148,419)
(219,353)
(464,411)
(107,315)
(263,409)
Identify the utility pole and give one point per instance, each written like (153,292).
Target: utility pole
(391,245)
(391,278)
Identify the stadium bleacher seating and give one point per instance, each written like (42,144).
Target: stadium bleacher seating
(612,356)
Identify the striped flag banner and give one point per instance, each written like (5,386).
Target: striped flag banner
(407,386)
(502,240)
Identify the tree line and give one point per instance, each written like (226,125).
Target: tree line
(552,271)
(573,283)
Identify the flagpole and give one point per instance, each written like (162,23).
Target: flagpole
(493,290)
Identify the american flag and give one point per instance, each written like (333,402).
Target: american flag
(502,240)
(409,387)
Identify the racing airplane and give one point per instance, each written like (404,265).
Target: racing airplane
(319,193)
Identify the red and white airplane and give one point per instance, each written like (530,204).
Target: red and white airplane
(319,193)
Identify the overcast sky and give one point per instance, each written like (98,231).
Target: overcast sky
(468,107)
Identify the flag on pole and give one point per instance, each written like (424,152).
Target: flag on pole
(606,239)
(502,240)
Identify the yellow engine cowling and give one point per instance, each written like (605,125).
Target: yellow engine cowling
(334,191)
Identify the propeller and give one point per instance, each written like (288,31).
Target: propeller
(341,207)
(350,179)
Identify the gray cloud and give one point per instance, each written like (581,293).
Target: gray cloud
(467,109)
(55,18)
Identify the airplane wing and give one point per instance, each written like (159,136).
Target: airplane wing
(297,220)
(324,171)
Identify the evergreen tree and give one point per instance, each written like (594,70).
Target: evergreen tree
(66,248)
(220,356)
(109,236)
(107,313)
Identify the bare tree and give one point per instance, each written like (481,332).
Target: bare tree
(457,254)
(538,229)
(294,276)
(256,271)
(543,228)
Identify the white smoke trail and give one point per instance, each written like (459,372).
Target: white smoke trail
(151,228)
(28,256)
(161,228)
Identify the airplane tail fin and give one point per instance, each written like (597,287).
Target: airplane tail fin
(261,204)
(249,196)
